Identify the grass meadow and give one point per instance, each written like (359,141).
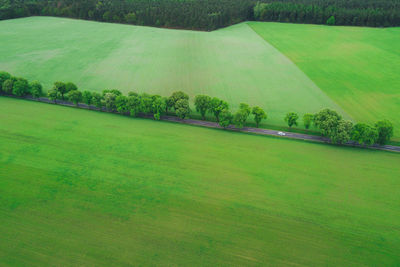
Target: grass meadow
(234,63)
(79,187)
(357,67)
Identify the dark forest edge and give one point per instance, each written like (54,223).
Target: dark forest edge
(211,14)
(329,122)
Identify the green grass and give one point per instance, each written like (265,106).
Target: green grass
(232,63)
(86,188)
(359,68)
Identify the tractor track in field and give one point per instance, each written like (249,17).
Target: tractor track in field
(209,124)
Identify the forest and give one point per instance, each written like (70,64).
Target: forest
(211,14)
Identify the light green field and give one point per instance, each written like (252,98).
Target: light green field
(85,188)
(232,63)
(359,68)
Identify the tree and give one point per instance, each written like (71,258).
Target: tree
(113,91)
(217,106)
(166,107)
(240,118)
(385,131)
(121,104)
(182,108)
(130,18)
(307,119)
(133,94)
(246,108)
(175,97)
(133,105)
(225,118)
(70,87)
(53,94)
(3,77)
(259,114)
(146,103)
(342,132)
(169,104)
(202,103)
(327,120)
(158,106)
(60,88)
(20,87)
(331,21)
(75,96)
(8,85)
(364,134)
(241,115)
(36,89)
(109,101)
(291,119)
(97,100)
(87,98)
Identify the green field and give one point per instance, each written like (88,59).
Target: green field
(233,63)
(86,188)
(359,68)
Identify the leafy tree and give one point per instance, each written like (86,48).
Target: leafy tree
(36,89)
(133,94)
(75,96)
(116,92)
(70,87)
(364,134)
(327,120)
(169,104)
(53,94)
(87,97)
(202,103)
(158,106)
(20,87)
(182,108)
(225,118)
(217,106)
(175,97)
(61,88)
(385,131)
(130,18)
(109,101)
(246,108)
(259,114)
(342,132)
(241,115)
(146,103)
(8,85)
(133,104)
(240,118)
(3,77)
(166,107)
(307,119)
(331,21)
(291,119)
(121,103)
(97,100)
(113,91)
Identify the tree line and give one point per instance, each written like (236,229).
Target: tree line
(211,14)
(353,12)
(329,122)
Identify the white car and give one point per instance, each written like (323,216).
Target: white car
(281,133)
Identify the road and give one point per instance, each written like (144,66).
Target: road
(210,124)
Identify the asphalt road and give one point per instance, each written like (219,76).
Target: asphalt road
(210,124)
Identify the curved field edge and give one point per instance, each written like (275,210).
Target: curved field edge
(357,67)
(92,188)
(233,63)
